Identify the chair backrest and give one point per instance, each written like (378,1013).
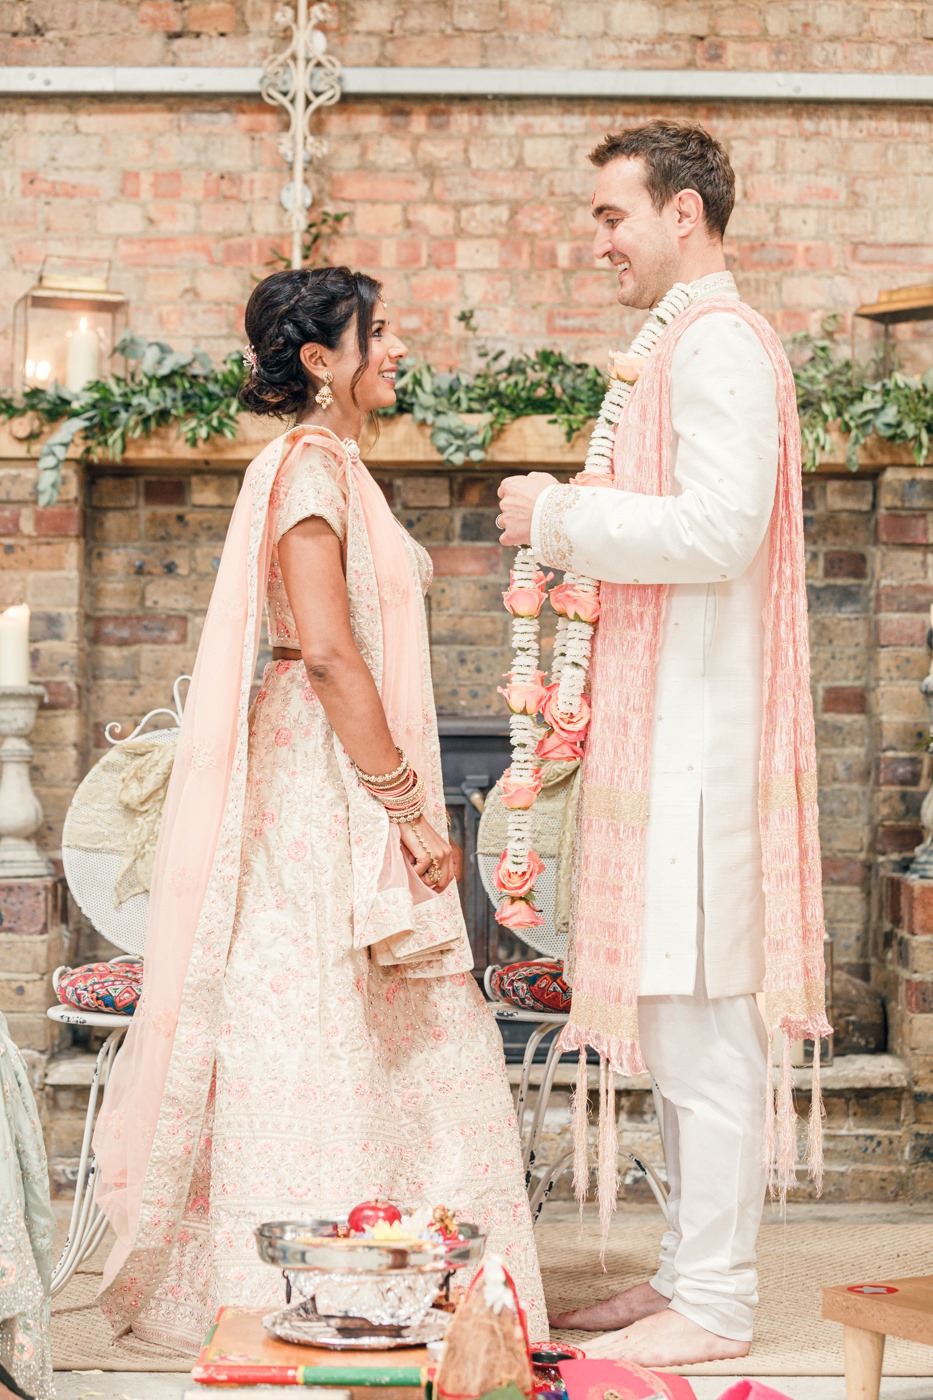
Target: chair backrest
(92,874)
(543,938)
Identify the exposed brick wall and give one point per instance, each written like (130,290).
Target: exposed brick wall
(154,543)
(42,563)
(465,204)
(873,36)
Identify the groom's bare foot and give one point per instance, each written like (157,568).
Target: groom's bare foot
(621,1310)
(666,1339)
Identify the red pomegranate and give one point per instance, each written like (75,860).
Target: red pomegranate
(369,1212)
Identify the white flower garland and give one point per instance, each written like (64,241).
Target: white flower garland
(574,639)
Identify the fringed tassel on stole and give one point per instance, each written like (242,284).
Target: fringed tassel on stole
(607,1180)
(579,1106)
(780,1138)
(815,1124)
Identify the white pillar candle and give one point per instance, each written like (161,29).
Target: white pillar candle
(83,358)
(14,646)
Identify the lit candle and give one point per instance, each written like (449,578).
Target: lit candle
(83,357)
(14,646)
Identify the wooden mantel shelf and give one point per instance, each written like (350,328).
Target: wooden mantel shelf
(404,444)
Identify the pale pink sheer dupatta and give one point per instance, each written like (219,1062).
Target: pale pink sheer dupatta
(153,1114)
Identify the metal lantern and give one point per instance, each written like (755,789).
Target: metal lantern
(66,327)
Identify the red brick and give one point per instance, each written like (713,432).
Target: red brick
(907,598)
(217,17)
(61,695)
(841,870)
(472,560)
(169,491)
(9,520)
(844,564)
(899,770)
(25,906)
(59,520)
(160,15)
(918,996)
(897,838)
(917,906)
(844,700)
(901,630)
(896,528)
(126,631)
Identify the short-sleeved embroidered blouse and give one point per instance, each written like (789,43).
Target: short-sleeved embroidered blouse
(306,489)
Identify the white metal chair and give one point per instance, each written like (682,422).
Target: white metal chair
(91,878)
(532,1101)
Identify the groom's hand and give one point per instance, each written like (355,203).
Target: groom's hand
(517,497)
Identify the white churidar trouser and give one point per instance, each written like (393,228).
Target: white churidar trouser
(709,1063)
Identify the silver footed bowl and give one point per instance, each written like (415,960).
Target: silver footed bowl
(360,1279)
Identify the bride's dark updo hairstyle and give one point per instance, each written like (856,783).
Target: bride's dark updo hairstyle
(285,312)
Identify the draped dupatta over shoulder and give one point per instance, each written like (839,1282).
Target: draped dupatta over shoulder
(154,1108)
(610,861)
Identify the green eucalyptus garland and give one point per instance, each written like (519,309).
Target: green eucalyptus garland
(167,388)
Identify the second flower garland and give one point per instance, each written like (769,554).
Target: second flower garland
(562,703)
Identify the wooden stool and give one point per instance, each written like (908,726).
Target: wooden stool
(869,1312)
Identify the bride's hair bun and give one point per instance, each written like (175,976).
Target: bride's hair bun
(290,309)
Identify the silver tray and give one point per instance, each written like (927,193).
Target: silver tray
(314,1244)
(290,1326)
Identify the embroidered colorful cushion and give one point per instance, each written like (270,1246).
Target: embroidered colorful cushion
(103,986)
(534,986)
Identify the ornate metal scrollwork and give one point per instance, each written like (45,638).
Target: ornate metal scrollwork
(300,79)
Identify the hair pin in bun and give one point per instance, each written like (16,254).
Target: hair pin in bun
(249,357)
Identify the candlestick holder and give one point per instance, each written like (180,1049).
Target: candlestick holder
(20,809)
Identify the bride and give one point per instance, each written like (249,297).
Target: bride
(309,1034)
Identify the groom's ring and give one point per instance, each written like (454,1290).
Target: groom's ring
(499,524)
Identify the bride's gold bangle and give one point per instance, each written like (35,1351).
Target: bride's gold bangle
(381,780)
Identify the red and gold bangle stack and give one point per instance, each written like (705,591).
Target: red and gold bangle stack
(401,792)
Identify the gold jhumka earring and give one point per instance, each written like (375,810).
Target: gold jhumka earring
(325,395)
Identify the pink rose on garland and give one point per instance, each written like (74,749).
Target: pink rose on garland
(516,795)
(572,727)
(574,604)
(557,749)
(518,913)
(522,600)
(525,697)
(518,883)
(592,479)
(625,367)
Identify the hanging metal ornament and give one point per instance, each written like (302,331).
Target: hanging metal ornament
(300,79)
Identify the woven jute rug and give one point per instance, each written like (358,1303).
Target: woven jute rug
(796,1260)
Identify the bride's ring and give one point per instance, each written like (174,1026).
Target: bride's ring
(433,872)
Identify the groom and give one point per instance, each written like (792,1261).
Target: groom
(664,193)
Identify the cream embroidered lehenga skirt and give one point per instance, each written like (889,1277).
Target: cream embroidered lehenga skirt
(336,1080)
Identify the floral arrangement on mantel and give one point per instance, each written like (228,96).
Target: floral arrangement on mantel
(562,704)
(165,388)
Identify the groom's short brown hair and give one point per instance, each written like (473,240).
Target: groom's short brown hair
(677,156)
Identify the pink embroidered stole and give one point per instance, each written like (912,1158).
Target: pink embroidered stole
(606,927)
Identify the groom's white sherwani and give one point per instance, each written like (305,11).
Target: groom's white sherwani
(709,542)
(701,1035)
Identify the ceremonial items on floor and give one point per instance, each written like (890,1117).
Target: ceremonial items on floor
(598,1379)
(486,1347)
(238,1350)
(369,1287)
(563,705)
